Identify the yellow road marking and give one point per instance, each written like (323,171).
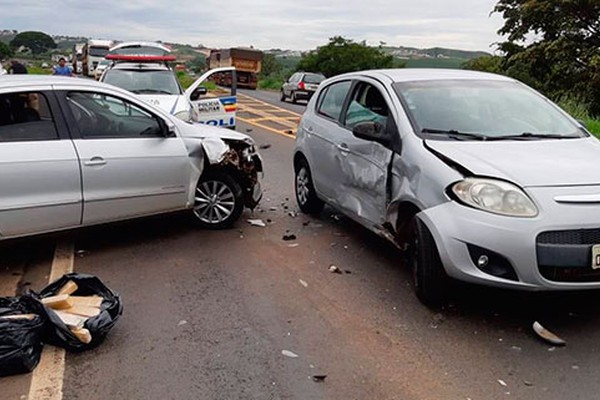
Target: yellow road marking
(47,378)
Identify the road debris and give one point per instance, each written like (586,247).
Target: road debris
(81,253)
(528,383)
(272,208)
(502,383)
(289,354)
(303,283)
(264,146)
(547,335)
(249,129)
(319,378)
(289,236)
(293,214)
(293,245)
(334,269)
(182,322)
(257,222)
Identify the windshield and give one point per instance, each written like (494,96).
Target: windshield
(98,51)
(143,82)
(313,78)
(487,109)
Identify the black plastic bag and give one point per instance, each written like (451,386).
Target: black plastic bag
(20,339)
(58,334)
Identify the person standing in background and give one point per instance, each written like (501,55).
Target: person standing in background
(62,68)
(17,68)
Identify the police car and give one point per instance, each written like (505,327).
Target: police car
(143,68)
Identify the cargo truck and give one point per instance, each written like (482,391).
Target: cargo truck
(247,62)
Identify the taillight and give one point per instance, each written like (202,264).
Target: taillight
(301,86)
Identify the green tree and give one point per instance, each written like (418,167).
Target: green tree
(553,45)
(38,42)
(197,64)
(270,66)
(342,55)
(5,51)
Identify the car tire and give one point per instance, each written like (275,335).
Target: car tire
(293,98)
(306,196)
(218,200)
(282,97)
(429,277)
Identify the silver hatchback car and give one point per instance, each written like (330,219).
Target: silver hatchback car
(75,152)
(476,176)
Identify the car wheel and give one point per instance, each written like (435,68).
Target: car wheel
(293,98)
(282,98)
(306,196)
(430,279)
(218,200)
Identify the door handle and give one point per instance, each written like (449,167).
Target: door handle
(95,161)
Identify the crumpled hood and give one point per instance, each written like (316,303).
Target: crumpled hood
(167,102)
(202,131)
(528,163)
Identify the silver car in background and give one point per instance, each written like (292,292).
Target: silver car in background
(75,152)
(477,176)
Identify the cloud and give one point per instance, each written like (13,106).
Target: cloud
(463,24)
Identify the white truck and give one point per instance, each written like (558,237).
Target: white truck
(92,53)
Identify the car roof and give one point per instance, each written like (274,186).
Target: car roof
(426,74)
(32,79)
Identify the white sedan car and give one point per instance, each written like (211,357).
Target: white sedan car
(77,152)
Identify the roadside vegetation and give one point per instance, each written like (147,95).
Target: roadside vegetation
(554,47)
(339,56)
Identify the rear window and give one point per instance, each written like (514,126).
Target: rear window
(313,78)
(25,116)
(332,100)
(144,81)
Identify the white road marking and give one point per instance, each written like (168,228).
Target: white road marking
(47,378)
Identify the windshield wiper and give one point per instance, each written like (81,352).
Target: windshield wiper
(530,135)
(139,91)
(454,134)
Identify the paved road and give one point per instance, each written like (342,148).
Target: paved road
(208,314)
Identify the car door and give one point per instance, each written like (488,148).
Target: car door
(40,177)
(325,134)
(365,170)
(290,84)
(129,167)
(217,108)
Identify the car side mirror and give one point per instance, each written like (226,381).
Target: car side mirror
(199,91)
(372,131)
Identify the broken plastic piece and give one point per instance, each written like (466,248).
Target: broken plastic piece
(502,383)
(257,222)
(264,146)
(303,283)
(547,335)
(334,269)
(289,354)
(319,378)
(289,237)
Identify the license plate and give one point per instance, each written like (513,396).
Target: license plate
(596,257)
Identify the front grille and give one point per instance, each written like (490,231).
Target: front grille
(565,256)
(575,236)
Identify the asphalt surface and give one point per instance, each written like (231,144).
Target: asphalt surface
(209,313)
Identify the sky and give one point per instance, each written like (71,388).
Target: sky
(264,24)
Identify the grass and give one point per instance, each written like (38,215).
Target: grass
(270,83)
(186,81)
(579,110)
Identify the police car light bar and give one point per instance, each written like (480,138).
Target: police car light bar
(146,58)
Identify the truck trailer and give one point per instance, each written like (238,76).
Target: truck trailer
(247,62)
